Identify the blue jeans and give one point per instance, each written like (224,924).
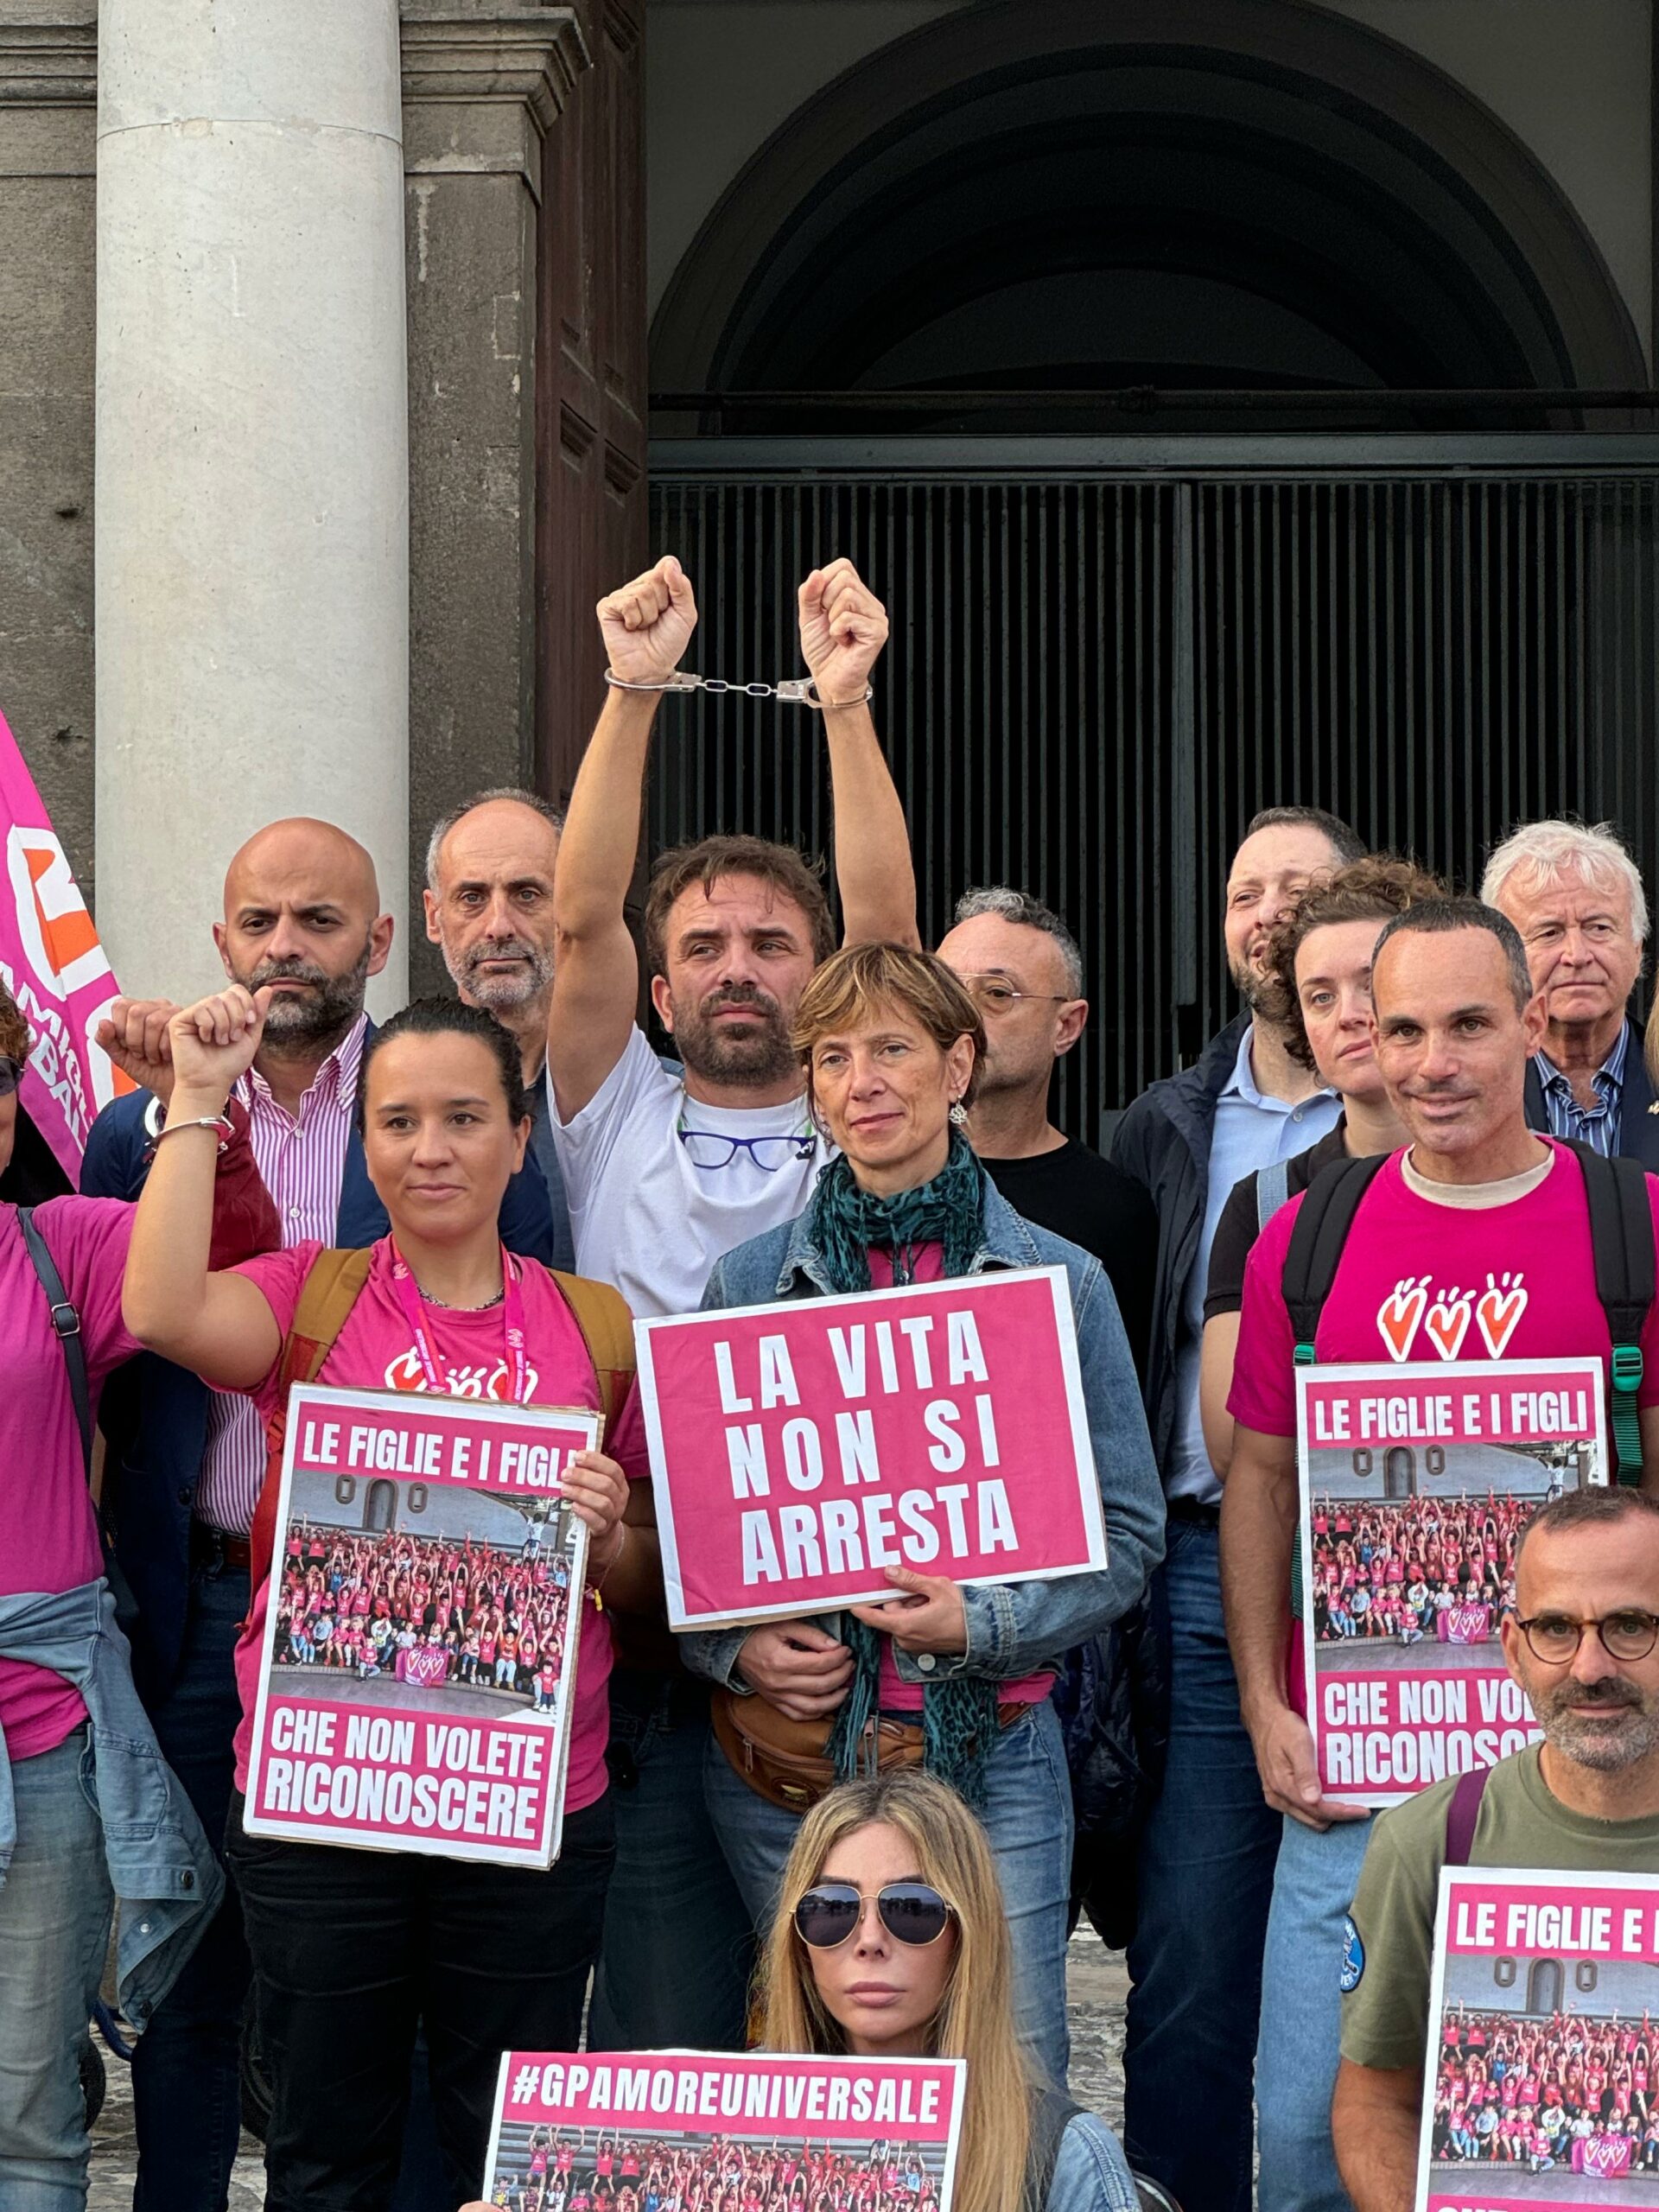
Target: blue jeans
(1028,1817)
(185,2071)
(1301,2015)
(1204,1883)
(55,1925)
(677,1950)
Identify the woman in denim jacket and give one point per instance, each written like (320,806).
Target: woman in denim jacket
(891,1041)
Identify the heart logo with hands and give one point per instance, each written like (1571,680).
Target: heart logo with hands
(1399,1315)
(1447,1321)
(1498,1310)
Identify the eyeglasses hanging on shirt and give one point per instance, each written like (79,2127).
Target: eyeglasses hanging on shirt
(714,1149)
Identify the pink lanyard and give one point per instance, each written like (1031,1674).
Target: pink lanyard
(512,1320)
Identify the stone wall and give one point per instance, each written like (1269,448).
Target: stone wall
(483,82)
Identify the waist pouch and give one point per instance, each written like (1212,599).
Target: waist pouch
(784,1760)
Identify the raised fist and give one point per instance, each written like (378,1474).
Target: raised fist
(214,1041)
(134,1035)
(843,628)
(648,623)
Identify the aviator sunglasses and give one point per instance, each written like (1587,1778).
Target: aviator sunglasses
(910,1911)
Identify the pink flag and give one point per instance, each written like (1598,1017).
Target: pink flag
(54,966)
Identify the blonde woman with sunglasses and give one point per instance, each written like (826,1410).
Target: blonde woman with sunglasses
(889,1941)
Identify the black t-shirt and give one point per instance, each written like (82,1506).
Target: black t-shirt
(1074,1193)
(1239,1226)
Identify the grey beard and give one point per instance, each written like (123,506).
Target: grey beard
(328,1012)
(1581,1740)
(505,994)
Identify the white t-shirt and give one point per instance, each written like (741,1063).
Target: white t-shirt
(645,1216)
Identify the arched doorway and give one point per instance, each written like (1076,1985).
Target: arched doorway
(380,1506)
(1115,640)
(1399,1471)
(1183,193)
(1544,1987)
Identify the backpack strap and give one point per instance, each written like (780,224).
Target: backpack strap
(1621,1242)
(1052,2113)
(65,1322)
(1462,1811)
(607,1328)
(330,1291)
(1272,1189)
(1329,1204)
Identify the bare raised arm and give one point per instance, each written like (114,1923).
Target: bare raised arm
(217,1325)
(843,628)
(646,627)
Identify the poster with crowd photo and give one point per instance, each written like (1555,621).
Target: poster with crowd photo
(1541,2079)
(711,2132)
(799,1450)
(1416,1481)
(420,1628)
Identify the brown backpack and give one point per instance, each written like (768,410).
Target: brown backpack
(331,1289)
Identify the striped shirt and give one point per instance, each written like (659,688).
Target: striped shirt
(1597,1126)
(302,1159)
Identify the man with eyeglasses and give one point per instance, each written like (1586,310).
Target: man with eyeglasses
(664,1171)
(1024,970)
(1583,1642)
(1476,1237)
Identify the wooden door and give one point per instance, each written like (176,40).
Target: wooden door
(592,528)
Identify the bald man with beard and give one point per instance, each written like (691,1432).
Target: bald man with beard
(185,1464)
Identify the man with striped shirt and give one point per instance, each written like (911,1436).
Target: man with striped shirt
(1575,896)
(186,1464)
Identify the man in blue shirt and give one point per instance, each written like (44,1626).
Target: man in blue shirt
(1205,1872)
(1576,897)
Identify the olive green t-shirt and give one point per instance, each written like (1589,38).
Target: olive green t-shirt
(1387,1963)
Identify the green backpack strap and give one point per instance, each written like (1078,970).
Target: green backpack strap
(1621,1243)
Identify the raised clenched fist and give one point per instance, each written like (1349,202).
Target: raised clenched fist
(843,628)
(214,1041)
(648,623)
(134,1035)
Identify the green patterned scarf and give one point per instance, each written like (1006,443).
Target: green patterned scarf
(959,1722)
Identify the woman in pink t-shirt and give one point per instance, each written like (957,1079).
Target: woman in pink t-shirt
(349,1948)
(56,1901)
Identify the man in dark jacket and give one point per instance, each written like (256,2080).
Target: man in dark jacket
(185,1464)
(1576,897)
(1205,1870)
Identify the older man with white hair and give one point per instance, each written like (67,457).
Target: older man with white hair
(1577,898)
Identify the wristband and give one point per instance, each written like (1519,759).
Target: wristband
(201,1121)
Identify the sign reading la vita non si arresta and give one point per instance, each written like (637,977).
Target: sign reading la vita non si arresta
(800,1449)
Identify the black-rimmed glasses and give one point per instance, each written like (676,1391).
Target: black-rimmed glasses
(911,1912)
(11,1074)
(1556,1638)
(994,995)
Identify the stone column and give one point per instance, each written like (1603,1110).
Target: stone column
(482,86)
(252,507)
(48,93)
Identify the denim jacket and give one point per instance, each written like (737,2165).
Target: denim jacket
(163,1873)
(1014,1629)
(1090,2174)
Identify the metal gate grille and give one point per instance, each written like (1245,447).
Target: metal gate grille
(1093,681)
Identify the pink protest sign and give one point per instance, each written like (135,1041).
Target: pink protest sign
(54,966)
(1553,1974)
(418,1674)
(798,1450)
(1416,1482)
(698,2127)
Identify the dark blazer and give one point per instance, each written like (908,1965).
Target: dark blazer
(1638,1109)
(154,1415)
(1163,1141)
